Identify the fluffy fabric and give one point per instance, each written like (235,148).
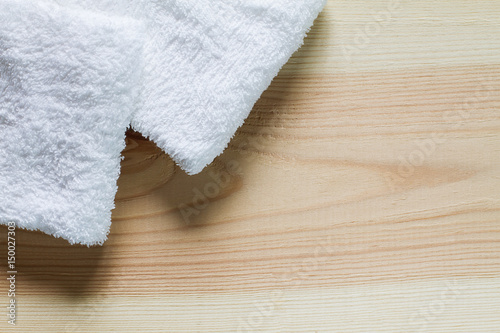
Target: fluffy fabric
(67,93)
(207,63)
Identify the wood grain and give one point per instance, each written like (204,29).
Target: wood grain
(361,195)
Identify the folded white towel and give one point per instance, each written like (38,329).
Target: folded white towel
(207,63)
(69,78)
(67,90)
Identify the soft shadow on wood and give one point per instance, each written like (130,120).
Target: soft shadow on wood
(51,265)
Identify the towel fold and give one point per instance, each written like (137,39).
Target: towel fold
(67,92)
(207,63)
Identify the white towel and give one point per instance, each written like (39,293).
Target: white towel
(68,81)
(67,89)
(207,63)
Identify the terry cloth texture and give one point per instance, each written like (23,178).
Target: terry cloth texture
(67,91)
(207,63)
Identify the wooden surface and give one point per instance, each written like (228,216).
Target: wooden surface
(361,195)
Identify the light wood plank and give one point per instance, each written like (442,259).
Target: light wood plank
(321,223)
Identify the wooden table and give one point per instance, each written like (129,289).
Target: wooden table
(361,195)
